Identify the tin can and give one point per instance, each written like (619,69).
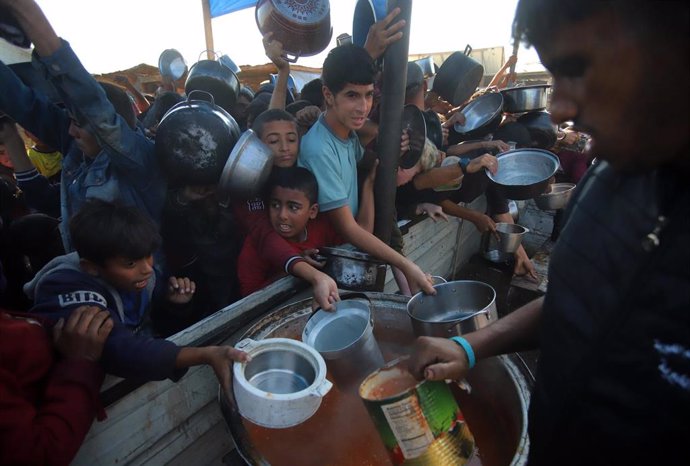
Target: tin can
(420,423)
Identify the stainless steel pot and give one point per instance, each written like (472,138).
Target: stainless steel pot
(458,77)
(526,98)
(556,198)
(524,173)
(345,339)
(482,116)
(427,65)
(215,78)
(302,26)
(457,308)
(353,270)
(193,140)
(248,166)
(510,236)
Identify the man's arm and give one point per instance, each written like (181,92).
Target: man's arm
(274,51)
(441,358)
(346,226)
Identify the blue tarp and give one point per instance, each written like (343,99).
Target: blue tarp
(223,7)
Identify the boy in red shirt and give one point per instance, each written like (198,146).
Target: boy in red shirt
(293,214)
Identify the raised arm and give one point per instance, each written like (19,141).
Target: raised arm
(274,51)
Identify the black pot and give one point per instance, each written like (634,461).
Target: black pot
(541,129)
(458,77)
(413,122)
(434,129)
(194,140)
(215,78)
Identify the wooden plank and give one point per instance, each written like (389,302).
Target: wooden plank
(209,449)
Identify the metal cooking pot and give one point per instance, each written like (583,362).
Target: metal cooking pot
(541,129)
(482,116)
(215,78)
(524,173)
(227,61)
(510,236)
(282,385)
(171,64)
(458,77)
(248,166)
(353,270)
(434,128)
(345,339)
(427,65)
(413,121)
(193,140)
(556,198)
(457,308)
(526,98)
(303,27)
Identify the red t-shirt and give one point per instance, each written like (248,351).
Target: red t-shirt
(248,213)
(257,266)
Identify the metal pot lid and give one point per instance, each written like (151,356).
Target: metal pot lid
(349,254)
(413,121)
(303,11)
(524,167)
(480,111)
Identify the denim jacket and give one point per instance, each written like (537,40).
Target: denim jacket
(126,168)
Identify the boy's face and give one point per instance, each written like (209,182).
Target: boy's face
(281,136)
(126,274)
(350,107)
(289,211)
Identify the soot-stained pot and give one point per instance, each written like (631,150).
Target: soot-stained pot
(194,139)
(215,78)
(353,270)
(302,26)
(458,77)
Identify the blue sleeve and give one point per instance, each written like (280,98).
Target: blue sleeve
(33,111)
(39,193)
(322,160)
(130,151)
(124,354)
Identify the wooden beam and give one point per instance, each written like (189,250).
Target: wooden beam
(208,29)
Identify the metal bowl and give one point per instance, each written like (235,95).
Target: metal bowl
(248,166)
(457,308)
(483,113)
(171,64)
(526,98)
(557,198)
(524,173)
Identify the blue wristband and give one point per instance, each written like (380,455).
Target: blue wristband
(468,350)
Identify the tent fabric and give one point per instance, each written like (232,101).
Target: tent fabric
(223,7)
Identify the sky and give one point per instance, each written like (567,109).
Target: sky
(115,35)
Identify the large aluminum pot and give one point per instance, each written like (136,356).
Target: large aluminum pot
(457,308)
(524,173)
(302,26)
(526,98)
(247,168)
(193,140)
(353,270)
(341,433)
(458,77)
(482,116)
(215,78)
(282,385)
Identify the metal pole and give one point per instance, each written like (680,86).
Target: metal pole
(390,123)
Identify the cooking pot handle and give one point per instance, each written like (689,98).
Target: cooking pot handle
(210,96)
(468,50)
(322,389)
(213,52)
(289,59)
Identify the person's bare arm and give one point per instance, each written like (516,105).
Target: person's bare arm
(346,226)
(14,145)
(460,149)
(365,216)
(482,222)
(35,24)
(442,358)
(220,358)
(324,287)
(140,99)
(274,51)
(523,264)
(499,78)
(383,33)
(437,176)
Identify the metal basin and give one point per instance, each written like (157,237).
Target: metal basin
(459,307)
(341,432)
(524,173)
(482,115)
(247,167)
(171,64)
(526,98)
(556,198)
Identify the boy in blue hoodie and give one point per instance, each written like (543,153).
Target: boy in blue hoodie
(113,268)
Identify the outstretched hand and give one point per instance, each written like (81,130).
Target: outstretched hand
(274,51)
(221,359)
(382,33)
(180,290)
(325,293)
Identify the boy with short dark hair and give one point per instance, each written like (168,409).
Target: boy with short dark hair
(112,268)
(293,214)
(331,151)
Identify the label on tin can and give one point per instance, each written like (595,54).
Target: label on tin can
(409,426)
